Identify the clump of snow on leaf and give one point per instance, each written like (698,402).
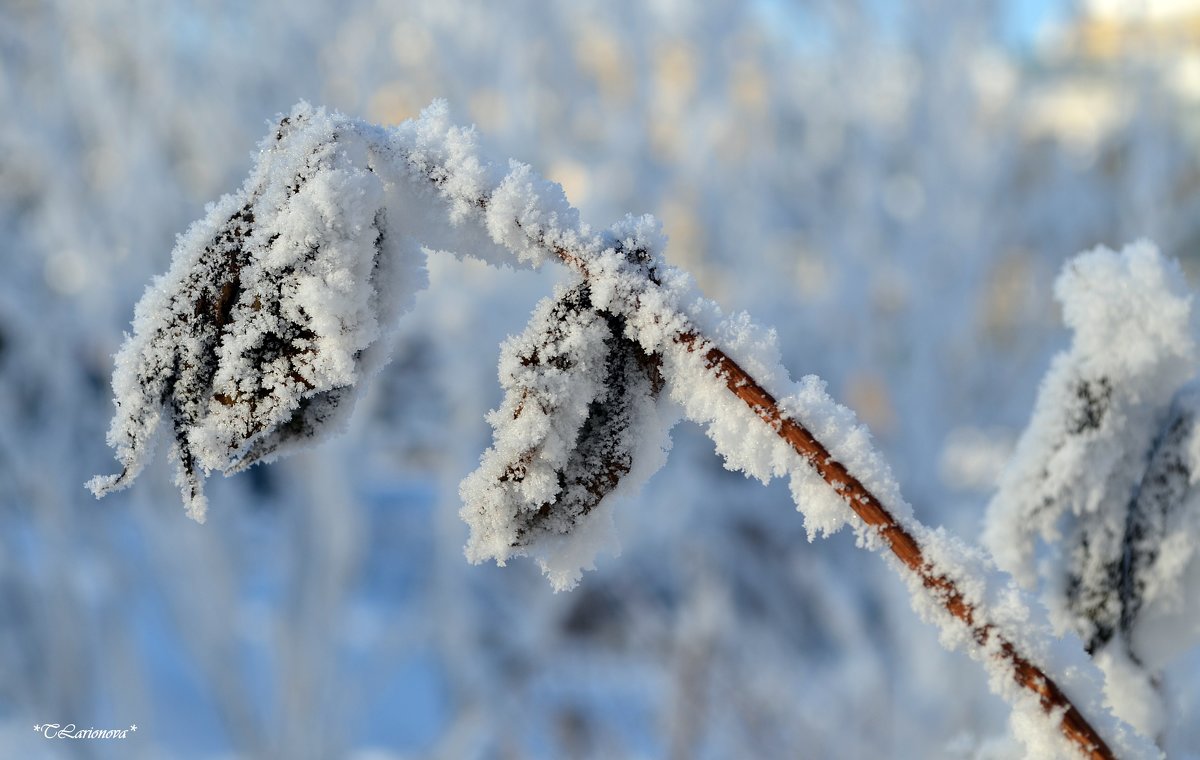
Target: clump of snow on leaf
(273,311)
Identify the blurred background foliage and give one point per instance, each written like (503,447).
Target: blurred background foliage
(892,185)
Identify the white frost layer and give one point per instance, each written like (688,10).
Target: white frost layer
(551,375)
(461,203)
(278,303)
(535,491)
(749,445)
(996,598)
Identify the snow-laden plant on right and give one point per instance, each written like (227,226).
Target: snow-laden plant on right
(1105,475)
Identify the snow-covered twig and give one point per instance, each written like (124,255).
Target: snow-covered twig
(335,205)
(526,234)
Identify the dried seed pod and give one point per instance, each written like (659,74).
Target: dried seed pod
(271,313)
(578,395)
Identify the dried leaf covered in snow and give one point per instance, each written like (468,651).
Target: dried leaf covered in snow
(579,395)
(271,313)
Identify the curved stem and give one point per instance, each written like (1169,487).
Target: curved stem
(1074,726)
(902,544)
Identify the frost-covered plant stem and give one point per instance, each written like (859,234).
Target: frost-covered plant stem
(278,308)
(858,498)
(905,547)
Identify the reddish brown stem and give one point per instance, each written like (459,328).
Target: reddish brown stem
(1074,726)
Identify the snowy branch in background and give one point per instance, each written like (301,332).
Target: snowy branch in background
(279,305)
